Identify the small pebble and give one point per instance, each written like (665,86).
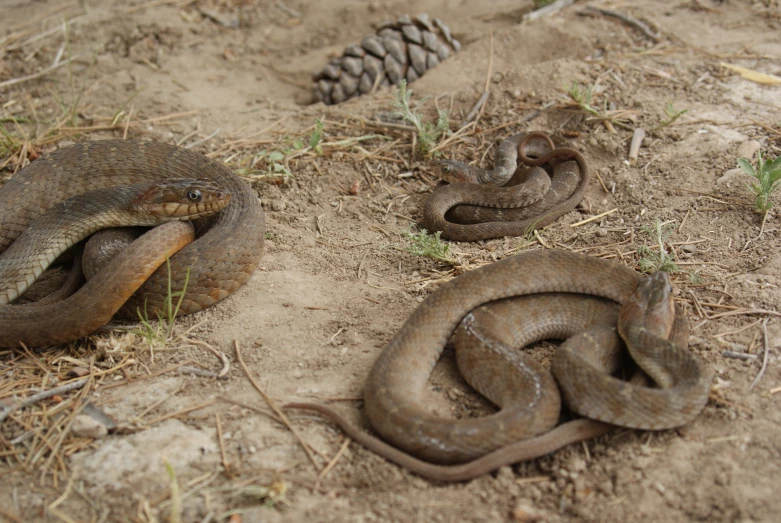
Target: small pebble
(524,512)
(729,176)
(86,427)
(689,248)
(278,205)
(576,464)
(748,149)
(505,474)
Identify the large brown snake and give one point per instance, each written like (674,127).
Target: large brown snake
(481,206)
(392,395)
(221,259)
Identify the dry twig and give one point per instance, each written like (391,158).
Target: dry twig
(273,406)
(547,10)
(42,396)
(629,20)
(764,358)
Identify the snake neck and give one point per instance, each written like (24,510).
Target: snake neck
(455,171)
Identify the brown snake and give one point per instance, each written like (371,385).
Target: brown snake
(479,207)
(225,252)
(392,395)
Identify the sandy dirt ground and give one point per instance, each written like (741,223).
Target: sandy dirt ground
(233,77)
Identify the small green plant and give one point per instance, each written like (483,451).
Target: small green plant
(275,165)
(270,495)
(430,245)
(542,3)
(8,143)
(158,333)
(670,115)
(768,176)
(276,160)
(657,260)
(582,96)
(428,133)
(316,137)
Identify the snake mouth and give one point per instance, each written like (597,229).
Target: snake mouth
(189,211)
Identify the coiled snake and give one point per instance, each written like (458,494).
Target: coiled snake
(479,204)
(221,259)
(392,394)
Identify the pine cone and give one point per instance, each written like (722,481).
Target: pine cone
(399,50)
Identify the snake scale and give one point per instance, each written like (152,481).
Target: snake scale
(648,322)
(478,204)
(225,252)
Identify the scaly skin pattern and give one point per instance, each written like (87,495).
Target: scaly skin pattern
(94,304)
(475,210)
(226,250)
(644,323)
(69,222)
(414,438)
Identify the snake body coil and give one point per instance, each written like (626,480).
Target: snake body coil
(484,205)
(226,251)
(393,391)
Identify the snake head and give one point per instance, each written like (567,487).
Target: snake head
(651,305)
(182,199)
(453,171)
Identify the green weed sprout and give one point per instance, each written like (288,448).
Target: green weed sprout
(430,245)
(159,334)
(428,133)
(651,260)
(582,97)
(316,137)
(670,115)
(768,176)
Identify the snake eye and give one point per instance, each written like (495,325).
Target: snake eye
(446,168)
(194,195)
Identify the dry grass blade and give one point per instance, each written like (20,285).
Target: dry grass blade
(764,358)
(274,407)
(42,396)
(39,74)
(221,440)
(629,20)
(333,462)
(547,10)
(479,107)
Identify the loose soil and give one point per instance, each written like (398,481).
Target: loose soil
(336,282)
